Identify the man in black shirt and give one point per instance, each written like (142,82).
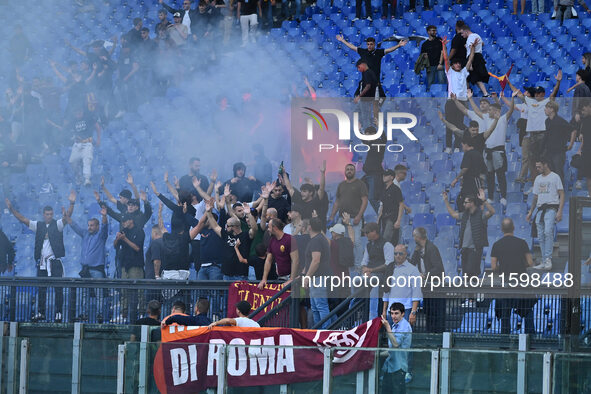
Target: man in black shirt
(434,50)
(317,258)
(458,45)
(247,12)
(472,168)
(471,132)
(365,95)
(232,268)
(558,133)
(511,256)
(279,202)
(308,199)
(186,181)
(130,243)
(83,127)
(372,56)
(161,26)
(134,36)
(391,209)
(153,318)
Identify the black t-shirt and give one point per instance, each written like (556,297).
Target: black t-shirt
(586,132)
(319,243)
(373,59)
(231,266)
(248,7)
(282,205)
(474,162)
(433,50)
(391,199)
(478,140)
(154,253)
(84,127)
(147,321)
(375,157)
(459,44)
(129,257)
(510,252)
(557,134)
(368,77)
(315,204)
(259,268)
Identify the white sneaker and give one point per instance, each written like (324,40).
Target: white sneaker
(87,182)
(407,377)
(479,297)
(119,114)
(468,304)
(528,191)
(447,150)
(38,317)
(369,18)
(578,185)
(457,150)
(58,317)
(503,202)
(548,264)
(355,19)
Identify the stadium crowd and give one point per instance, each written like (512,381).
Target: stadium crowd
(282,230)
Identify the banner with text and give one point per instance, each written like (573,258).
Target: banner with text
(188,358)
(239,291)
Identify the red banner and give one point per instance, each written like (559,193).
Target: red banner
(188,358)
(244,291)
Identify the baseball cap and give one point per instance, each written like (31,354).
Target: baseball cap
(540,89)
(126,217)
(337,229)
(177,15)
(125,193)
(389,172)
(134,201)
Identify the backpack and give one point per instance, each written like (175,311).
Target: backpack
(346,256)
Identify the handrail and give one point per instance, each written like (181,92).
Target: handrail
(349,313)
(339,307)
(283,304)
(270,300)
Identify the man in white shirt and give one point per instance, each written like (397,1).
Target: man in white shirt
(532,145)
(548,202)
(478,72)
(243,308)
(456,87)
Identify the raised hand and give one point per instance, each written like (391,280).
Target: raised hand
(103,211)
(445,196)
(153,186)
(226,190)
(323,167)
(177,184)
(444,40)
(340,38)
(129,178)
(72,196)
(8,204)
(214,175)
(143,196)
(481,195)
(218,184)
(209,205)
(469,93)
(559,75)
(196,182)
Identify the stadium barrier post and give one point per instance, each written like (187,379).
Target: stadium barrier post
(2,351)
(24,368)
(77,357)
(327,372)
(11,367)
(547,374)
(359,383)
(121,369)
(445,362)
(521,366)
(434,387)
(222,360)
(142,384)
(372,375)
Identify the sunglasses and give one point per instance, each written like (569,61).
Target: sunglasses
(398,253)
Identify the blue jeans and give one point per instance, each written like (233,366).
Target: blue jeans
(358,247)
(213,272)
(434,76)
(235,277)
(100,294)
(288,9)
(319,305)
(546,232)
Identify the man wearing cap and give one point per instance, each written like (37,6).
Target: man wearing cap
(341,256)
(391,208)
(377,257)
(532,145)
(178,33)
(188,17)
(130,243)
(372,56)
(351,198)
